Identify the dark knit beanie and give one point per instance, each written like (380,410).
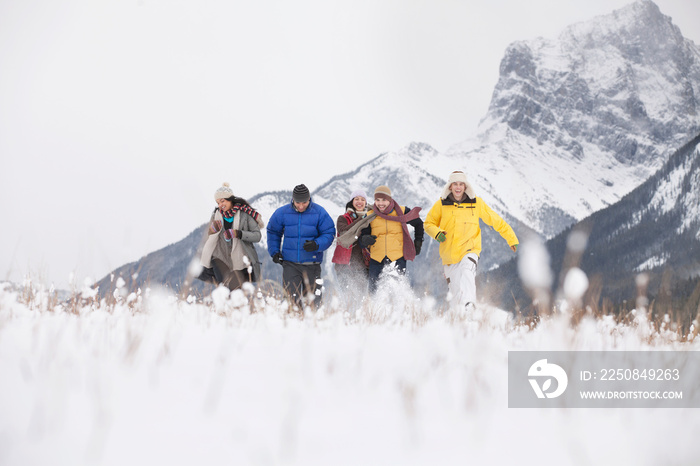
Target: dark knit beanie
(301,193)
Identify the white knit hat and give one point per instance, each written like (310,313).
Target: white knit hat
(224,192)
(358,193)
(455,177)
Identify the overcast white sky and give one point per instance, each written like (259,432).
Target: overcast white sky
(119,119)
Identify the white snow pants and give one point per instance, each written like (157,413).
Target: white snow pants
(462,281)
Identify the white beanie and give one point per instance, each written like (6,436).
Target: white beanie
(224,192)
(457,176)
(358,193)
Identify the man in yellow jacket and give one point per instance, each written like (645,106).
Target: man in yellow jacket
(387,235)
(454,222)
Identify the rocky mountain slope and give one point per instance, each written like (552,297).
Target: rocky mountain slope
(652,233)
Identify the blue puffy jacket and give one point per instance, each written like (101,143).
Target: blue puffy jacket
(298,227)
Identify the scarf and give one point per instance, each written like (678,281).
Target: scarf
(409,249)
(356,213)
(348,238)
(229,214)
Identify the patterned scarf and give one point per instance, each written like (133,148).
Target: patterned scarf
(240,208)
(409,249)
(354,213)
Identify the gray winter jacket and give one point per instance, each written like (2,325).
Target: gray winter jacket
(217,247)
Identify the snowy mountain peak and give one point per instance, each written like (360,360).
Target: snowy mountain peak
(634,61)
(404,171)
(576,123)
(640,26)
(418,151)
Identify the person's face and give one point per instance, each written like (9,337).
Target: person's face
(224,204)
(359,203)
(458,189)
(301,206)
(382,203)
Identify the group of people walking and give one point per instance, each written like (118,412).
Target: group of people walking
(370,239)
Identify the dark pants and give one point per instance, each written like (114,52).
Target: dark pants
(299,280)
(375,270)
(236,278)
(220,274)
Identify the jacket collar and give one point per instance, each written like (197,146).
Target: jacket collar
(450,200)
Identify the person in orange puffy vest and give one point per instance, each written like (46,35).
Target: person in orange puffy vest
(387,236)
(454,222)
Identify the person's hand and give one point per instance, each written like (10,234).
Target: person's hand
(441,237)
(367,240)
(418,243)
(277,258)
(514,248)
(310,245)
(215,227)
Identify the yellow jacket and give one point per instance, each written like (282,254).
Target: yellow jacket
(389,238)
(460,222)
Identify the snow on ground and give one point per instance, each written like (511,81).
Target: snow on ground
(151,378)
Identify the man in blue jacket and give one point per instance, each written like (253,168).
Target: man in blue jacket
(308,230)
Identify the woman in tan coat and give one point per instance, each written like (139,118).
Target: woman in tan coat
(229,256)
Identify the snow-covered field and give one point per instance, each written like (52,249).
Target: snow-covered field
(151,378)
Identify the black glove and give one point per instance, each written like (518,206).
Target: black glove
(277,258)
(367,240)
(310,245)
(208,276)
(418,243)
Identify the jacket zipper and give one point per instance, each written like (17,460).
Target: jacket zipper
(386,238)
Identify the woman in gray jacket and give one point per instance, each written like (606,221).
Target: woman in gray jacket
(229,256)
